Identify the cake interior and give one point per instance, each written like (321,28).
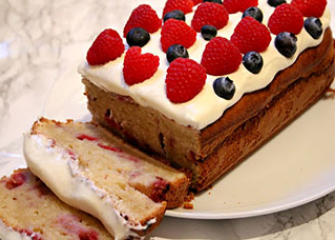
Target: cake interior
(30,208)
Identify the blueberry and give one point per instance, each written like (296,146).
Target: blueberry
(215,1)
(224,88)
(285,43)
(253,61)
(275,3)
(176,51)
(314,27)
(254,12)
(208,32)
(175,14)
(138,37)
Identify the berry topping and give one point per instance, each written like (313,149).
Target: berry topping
(177,32)
(196,2)
(184,80)
(214,1)
(209,13)
(138,37)
(251,35)
(208,32)
(175,14)
(138,67)
(221,57)
(224,88)
(285,43)
(176,51)
(234,6)
(108,46)
(183,5)
(286,18)
(310,8)
(253,12)
(145,17)
(314,27)
(275,3)
(253,61)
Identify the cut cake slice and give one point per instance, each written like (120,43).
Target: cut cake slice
(90,169)
(29,210)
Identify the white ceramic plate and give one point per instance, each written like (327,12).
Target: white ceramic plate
(295,167)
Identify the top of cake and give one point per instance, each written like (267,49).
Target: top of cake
(192,71)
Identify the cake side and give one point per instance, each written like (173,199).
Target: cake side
(110,198)
(253,133)
(29,210)
(311,61)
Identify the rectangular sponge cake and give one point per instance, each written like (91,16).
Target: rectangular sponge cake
(211,151)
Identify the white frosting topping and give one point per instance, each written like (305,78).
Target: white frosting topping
(206,107)
(8,233)
(61,173)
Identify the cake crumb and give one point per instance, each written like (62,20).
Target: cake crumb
(188,205)
(187,201)
(329,94)
(189,197)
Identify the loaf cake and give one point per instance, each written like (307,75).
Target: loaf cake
(30,211)
(90,169)
(203,130)
(264,67)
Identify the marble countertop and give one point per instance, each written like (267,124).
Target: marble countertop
(39,40)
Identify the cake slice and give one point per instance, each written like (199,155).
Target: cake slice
(29,210)
(90,169)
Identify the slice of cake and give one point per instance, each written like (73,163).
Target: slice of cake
(206,105)
(30,211)
(90,169)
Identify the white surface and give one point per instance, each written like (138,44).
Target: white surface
(295,167)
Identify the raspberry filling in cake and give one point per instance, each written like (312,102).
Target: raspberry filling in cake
(89,168)
(29,210)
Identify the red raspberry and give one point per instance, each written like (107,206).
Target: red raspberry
(310,8)
(177,32)
(234,6)
(209,13)
(196,2)
(108,46)
(251,35)
(139,67)
(286,18)
(183,5)
(221,57)
(145,17)
(184,80)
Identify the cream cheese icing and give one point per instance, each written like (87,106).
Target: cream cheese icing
(8,233)
(206,107)
(61,173)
